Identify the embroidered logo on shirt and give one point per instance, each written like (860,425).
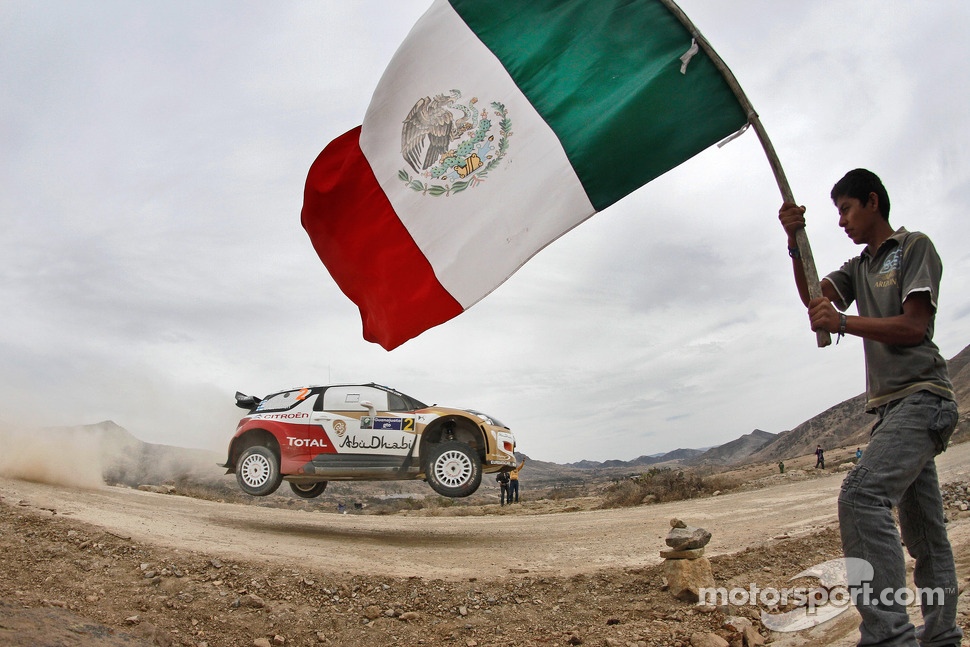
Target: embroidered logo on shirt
(891,264)
(887,272)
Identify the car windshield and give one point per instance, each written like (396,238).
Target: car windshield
(282,401)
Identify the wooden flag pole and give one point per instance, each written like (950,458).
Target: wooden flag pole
(801,238)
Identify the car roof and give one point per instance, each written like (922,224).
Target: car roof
(327,386)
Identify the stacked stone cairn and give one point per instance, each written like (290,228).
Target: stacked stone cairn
(685,567)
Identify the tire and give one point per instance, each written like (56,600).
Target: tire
(258,471)
(453,469)
(308,490)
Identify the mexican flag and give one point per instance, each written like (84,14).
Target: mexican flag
(498,126)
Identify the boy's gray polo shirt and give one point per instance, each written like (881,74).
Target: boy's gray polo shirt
(906,262)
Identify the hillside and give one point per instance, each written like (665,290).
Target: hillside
(736,451)
(831,428)
(847,423)
(674,456)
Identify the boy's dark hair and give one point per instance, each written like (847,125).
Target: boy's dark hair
(858,184)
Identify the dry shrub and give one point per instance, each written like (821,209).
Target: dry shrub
(661,484)
(625,494)
(560,493)
(208,492)
(722,483)
(393,506)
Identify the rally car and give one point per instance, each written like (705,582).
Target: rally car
(362,432)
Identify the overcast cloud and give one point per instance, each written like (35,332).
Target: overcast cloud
(152,166)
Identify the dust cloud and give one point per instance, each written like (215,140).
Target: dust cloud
(92,456)
(70,457)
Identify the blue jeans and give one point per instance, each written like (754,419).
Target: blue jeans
(898,469)
(514,490)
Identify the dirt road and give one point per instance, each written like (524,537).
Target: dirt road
(453,547)
(113,566)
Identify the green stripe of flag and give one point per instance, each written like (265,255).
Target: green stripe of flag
(605,75)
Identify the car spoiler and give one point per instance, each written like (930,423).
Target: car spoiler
(248,402)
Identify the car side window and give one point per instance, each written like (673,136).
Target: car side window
(397,403)
(349,398)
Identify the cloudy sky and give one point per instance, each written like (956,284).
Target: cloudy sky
(152,163)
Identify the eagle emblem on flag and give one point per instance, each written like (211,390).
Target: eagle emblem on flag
(451,146)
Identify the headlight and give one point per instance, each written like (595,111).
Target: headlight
(487,419)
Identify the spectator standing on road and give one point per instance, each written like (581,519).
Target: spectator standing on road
(819,457)
(514,482)
(895,284)
(503,483)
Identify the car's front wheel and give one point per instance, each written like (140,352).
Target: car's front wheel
(453,469)
(308,490)
(258,471)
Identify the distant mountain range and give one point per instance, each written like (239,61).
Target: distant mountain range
(642,461)
(842,425)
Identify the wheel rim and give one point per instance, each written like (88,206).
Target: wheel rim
(305,487)
(453,468)
(255,470)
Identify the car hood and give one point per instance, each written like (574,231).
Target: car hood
(451,411)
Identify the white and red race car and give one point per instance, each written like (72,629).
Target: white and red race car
(362,432)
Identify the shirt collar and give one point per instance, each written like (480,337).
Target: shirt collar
(895,239)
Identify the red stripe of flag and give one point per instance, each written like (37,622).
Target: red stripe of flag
(367,249)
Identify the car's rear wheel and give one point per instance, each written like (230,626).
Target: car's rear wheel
(258,471)
(453,469)
(308,490)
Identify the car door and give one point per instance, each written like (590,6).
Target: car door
(361,425)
